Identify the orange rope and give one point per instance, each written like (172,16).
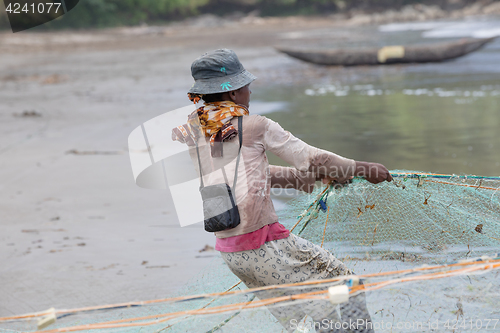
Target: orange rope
(247,305)
(430,276)
(169,316)
(466,185)
(322,241)
(311,206)
(441,174)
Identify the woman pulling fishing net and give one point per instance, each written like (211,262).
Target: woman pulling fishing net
(228,147)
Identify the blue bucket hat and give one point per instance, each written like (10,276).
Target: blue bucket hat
(219,71)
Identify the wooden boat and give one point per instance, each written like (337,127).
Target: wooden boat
(389,54)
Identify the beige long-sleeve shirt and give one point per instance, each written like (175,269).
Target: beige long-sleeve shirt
(255,175)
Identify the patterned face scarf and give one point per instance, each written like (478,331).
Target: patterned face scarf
(214,119)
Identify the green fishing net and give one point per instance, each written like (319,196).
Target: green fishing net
(419,218)
(405,237)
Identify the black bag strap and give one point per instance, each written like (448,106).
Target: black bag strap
(199,163)
(240,137)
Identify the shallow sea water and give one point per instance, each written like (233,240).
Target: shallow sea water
(439,117)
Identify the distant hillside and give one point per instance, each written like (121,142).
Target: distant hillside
(106,13)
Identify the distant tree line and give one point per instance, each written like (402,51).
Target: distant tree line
(105,13)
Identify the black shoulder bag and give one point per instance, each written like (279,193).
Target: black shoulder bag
(219,207)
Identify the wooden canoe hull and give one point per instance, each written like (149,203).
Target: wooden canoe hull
(412,54)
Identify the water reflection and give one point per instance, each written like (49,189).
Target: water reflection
(454,134)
